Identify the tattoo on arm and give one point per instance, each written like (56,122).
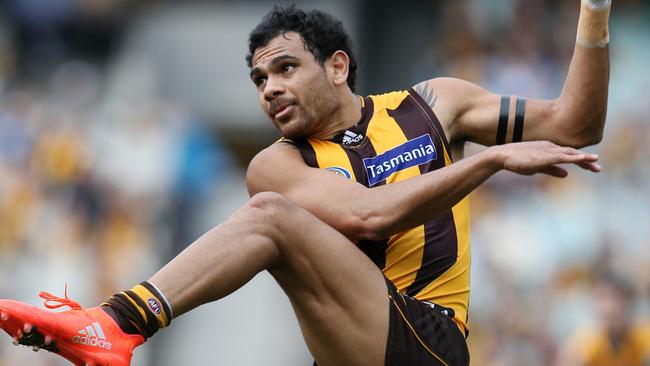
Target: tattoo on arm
(427,93)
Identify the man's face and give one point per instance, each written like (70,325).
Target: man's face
(293,88)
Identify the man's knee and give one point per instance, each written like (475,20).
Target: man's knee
(281,220)
(267,211)
(269,201)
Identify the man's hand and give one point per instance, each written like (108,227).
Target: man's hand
(528,158)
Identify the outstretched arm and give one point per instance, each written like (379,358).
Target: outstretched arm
(576,118)
(373,214)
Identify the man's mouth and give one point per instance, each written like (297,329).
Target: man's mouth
(282,111)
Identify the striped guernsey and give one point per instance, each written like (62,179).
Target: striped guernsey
(397,138)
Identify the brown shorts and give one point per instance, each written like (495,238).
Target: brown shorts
(421,333)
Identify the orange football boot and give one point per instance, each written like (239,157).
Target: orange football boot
(87,337)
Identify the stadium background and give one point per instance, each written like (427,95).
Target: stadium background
(126,127)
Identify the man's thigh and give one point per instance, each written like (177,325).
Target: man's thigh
(338,294)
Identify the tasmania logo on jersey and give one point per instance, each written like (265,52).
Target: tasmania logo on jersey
(412,153)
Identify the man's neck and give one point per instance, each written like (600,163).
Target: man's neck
(348,115)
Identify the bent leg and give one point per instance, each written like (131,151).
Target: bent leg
(338,294)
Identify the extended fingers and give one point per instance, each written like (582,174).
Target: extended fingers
(570,155)
(596,168)
(583,160)
(555,171)
(575,152)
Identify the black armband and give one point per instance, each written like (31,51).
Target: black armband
(518,133)
(504,115)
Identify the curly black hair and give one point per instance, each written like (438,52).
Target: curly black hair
(322,34)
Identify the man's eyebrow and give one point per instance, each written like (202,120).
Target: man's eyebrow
(257,70)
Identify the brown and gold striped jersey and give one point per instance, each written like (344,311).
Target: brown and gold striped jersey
(399,137)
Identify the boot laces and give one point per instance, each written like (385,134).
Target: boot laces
(55,302)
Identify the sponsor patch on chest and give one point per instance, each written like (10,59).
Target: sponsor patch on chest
(412,153)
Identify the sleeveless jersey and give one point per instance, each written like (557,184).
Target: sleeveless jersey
(398,138)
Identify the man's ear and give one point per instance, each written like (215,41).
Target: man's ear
(338,67)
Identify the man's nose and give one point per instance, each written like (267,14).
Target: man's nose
(273,89)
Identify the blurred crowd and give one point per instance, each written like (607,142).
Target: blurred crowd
(102,181)
(97,187)
(560,267)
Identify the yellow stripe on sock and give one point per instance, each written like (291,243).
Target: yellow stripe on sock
(146,295)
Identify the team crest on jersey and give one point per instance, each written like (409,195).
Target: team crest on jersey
(340,171)
(412,153)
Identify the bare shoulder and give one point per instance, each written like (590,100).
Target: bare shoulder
(433,89)
(453,101)
(426,90)
(279,154)
(263,170)
(447,98)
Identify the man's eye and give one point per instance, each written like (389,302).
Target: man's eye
(288,67)
(259,80)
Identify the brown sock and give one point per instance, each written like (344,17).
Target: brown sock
(140,310)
